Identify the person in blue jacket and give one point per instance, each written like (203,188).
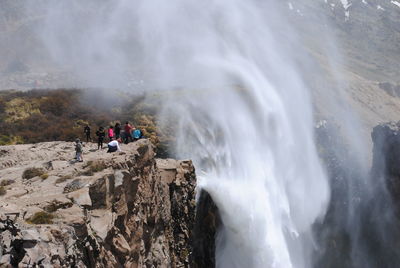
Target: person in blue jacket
(137,134)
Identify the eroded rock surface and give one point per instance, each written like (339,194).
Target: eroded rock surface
(386,157)
(124,209)
(207,224)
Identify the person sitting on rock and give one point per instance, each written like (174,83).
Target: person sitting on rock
(78,150)
(101,134)
(111,133)
(86,130)
(113,146)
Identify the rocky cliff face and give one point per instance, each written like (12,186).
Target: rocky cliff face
(113,210)
(360,228)
(386,158)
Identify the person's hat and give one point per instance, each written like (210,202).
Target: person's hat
(77,140)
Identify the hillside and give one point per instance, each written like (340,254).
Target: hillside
(60,115)
(351,47)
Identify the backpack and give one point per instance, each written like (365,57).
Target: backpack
(78,147)
(137,134)
(100,134)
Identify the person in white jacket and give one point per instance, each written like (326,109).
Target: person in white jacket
(113,146)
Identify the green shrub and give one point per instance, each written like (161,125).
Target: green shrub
(30,173)
(96,166)
(50,115)
(64,178)
(3,190)
(51,208)
(44,176)
(55,205)
(6,182)
(10,140)
(41,218)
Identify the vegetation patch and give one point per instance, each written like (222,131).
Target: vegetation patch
(64,178)
(55,205)
(30,173)
(96,166)
(21,108)
(6,182)
(3,190)
(47,115)
(44,176)
(10,140)
(41,217)
(60,114)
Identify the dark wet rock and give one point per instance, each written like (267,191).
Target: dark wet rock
(207,224)
(361,199)
(73,186)
(386,157)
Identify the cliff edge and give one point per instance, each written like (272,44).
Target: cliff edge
(125,209)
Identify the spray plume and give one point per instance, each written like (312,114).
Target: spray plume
(248,128)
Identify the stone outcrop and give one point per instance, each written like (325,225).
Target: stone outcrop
(207,223)
(391,89)
(368,200)
(125,209)
(386,158)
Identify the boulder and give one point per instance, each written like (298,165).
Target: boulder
(101,221)
(73,186)
(57,165)
(81,197)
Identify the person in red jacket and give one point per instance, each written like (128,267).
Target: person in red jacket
(128,130)
(111,133)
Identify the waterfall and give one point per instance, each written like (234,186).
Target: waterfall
(248,129)
(245,114)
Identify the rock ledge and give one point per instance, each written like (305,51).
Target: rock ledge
(113,210)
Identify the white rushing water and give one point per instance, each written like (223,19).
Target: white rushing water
(245,118)
(251,131)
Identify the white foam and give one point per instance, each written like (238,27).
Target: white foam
(395,3)
(346,4)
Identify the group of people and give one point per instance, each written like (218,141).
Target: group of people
(115,134)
